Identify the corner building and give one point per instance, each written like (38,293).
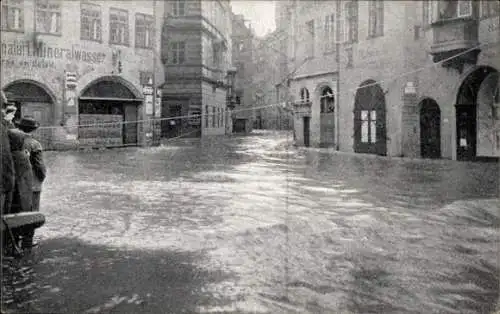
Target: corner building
(79,67)
(196,53)
(416,78)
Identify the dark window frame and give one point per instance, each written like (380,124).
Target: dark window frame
(119,19)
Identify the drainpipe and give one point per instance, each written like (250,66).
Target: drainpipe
(337,98)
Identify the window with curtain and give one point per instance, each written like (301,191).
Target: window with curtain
(213,117)
(490,8)
(304,95)
(310,38)
(329,32)
(177,52)
(90,22)
(179,7)
(351,22)
(206,116)
(48,16)
(376,18)
(13,15)
(118,27)
(144,28)
(427,12)
(450,9)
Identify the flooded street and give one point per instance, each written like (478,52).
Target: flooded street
(255,225)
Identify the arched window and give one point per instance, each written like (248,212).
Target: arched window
(327,100)
(304,95)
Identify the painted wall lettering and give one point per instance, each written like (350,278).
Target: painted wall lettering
(40,50)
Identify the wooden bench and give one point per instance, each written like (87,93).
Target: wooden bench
(22,221)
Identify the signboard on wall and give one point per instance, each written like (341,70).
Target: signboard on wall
(100,129)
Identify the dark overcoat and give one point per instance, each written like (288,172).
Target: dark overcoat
(24,174)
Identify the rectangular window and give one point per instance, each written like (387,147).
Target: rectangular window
(90,22)
(490,8)
(206,116)
(376,19)
(144,28)
(177,52)
(13,15)
(453,9)
(351,28)
(341,37)
(427,12)
(179,7)
(48,16)
(118,27)
(310,37)
(216,54)
(213,117)
(329,32)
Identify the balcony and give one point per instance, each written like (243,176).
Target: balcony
(456,35)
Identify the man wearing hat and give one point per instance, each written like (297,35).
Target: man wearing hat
(30,169)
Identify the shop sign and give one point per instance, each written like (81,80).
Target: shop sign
(148,99)
(29,49)
(101,129)
(194,117)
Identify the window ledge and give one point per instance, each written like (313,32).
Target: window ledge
(12,30)
(49,34)
(452,20)
(145,48)
(119,44)
(92,40)
(374,36)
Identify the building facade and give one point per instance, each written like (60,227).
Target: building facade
(243,40)
(80,67)
(313,71)
(196,53)
(415,78)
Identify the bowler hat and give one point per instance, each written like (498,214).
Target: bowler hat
(27,124)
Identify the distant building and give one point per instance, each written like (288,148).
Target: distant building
(79,68)
(390,98)
(243,39)
(196,53)
(270,112)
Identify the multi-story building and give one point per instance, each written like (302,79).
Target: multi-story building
(313,71)
(243,38)
(269,113)
(415,78)
(196,52)
(80,67)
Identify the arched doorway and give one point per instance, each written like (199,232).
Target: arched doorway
(470,115)
(34,100)
(327,117)
(108,111)
(369,119)
(430,129)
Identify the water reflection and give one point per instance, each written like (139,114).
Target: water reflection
(270,229)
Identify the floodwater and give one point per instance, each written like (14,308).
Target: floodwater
(254,225)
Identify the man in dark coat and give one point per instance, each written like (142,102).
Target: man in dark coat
(34,150)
